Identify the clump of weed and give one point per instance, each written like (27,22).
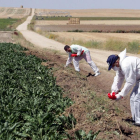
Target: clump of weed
(77,30)
(52,36)
(115,45)
(133,47)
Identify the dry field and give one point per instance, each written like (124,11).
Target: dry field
(93,12)
(88,36)
(6,12)
(89,22)
(88,25)
(101,37)
(88,28)
(60,27)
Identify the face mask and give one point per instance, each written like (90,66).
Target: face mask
(115,68)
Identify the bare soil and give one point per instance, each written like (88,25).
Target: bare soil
(6,36)
(89,22)
(88,28)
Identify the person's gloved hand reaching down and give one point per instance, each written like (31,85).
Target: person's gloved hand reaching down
(114,96)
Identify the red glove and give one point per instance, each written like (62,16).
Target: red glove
(112,95)
(73,55)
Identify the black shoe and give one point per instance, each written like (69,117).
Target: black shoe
(130,120)
(136,124)
(89,75)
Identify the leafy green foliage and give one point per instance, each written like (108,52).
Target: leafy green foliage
(75,30)
(31,103)
(81,135)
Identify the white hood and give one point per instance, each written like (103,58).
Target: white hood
(122,55)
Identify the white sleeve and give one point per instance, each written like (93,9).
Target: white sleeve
(69,60)
(118,81)
(130,77)
(127,87)
(79,50)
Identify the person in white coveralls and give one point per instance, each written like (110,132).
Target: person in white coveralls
(128,68)
(76,53)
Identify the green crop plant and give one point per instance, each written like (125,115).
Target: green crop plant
(81,135)
(31,103)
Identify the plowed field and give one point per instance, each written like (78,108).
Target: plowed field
(88,28)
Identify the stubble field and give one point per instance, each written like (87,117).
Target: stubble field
(90,12)
(14,12)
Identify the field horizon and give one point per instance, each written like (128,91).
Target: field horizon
(93,12)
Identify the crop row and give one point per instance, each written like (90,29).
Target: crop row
(30,100)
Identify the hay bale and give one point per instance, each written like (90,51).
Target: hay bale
(74,21)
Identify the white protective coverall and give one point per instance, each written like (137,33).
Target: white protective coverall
(130,71)
(77,49)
